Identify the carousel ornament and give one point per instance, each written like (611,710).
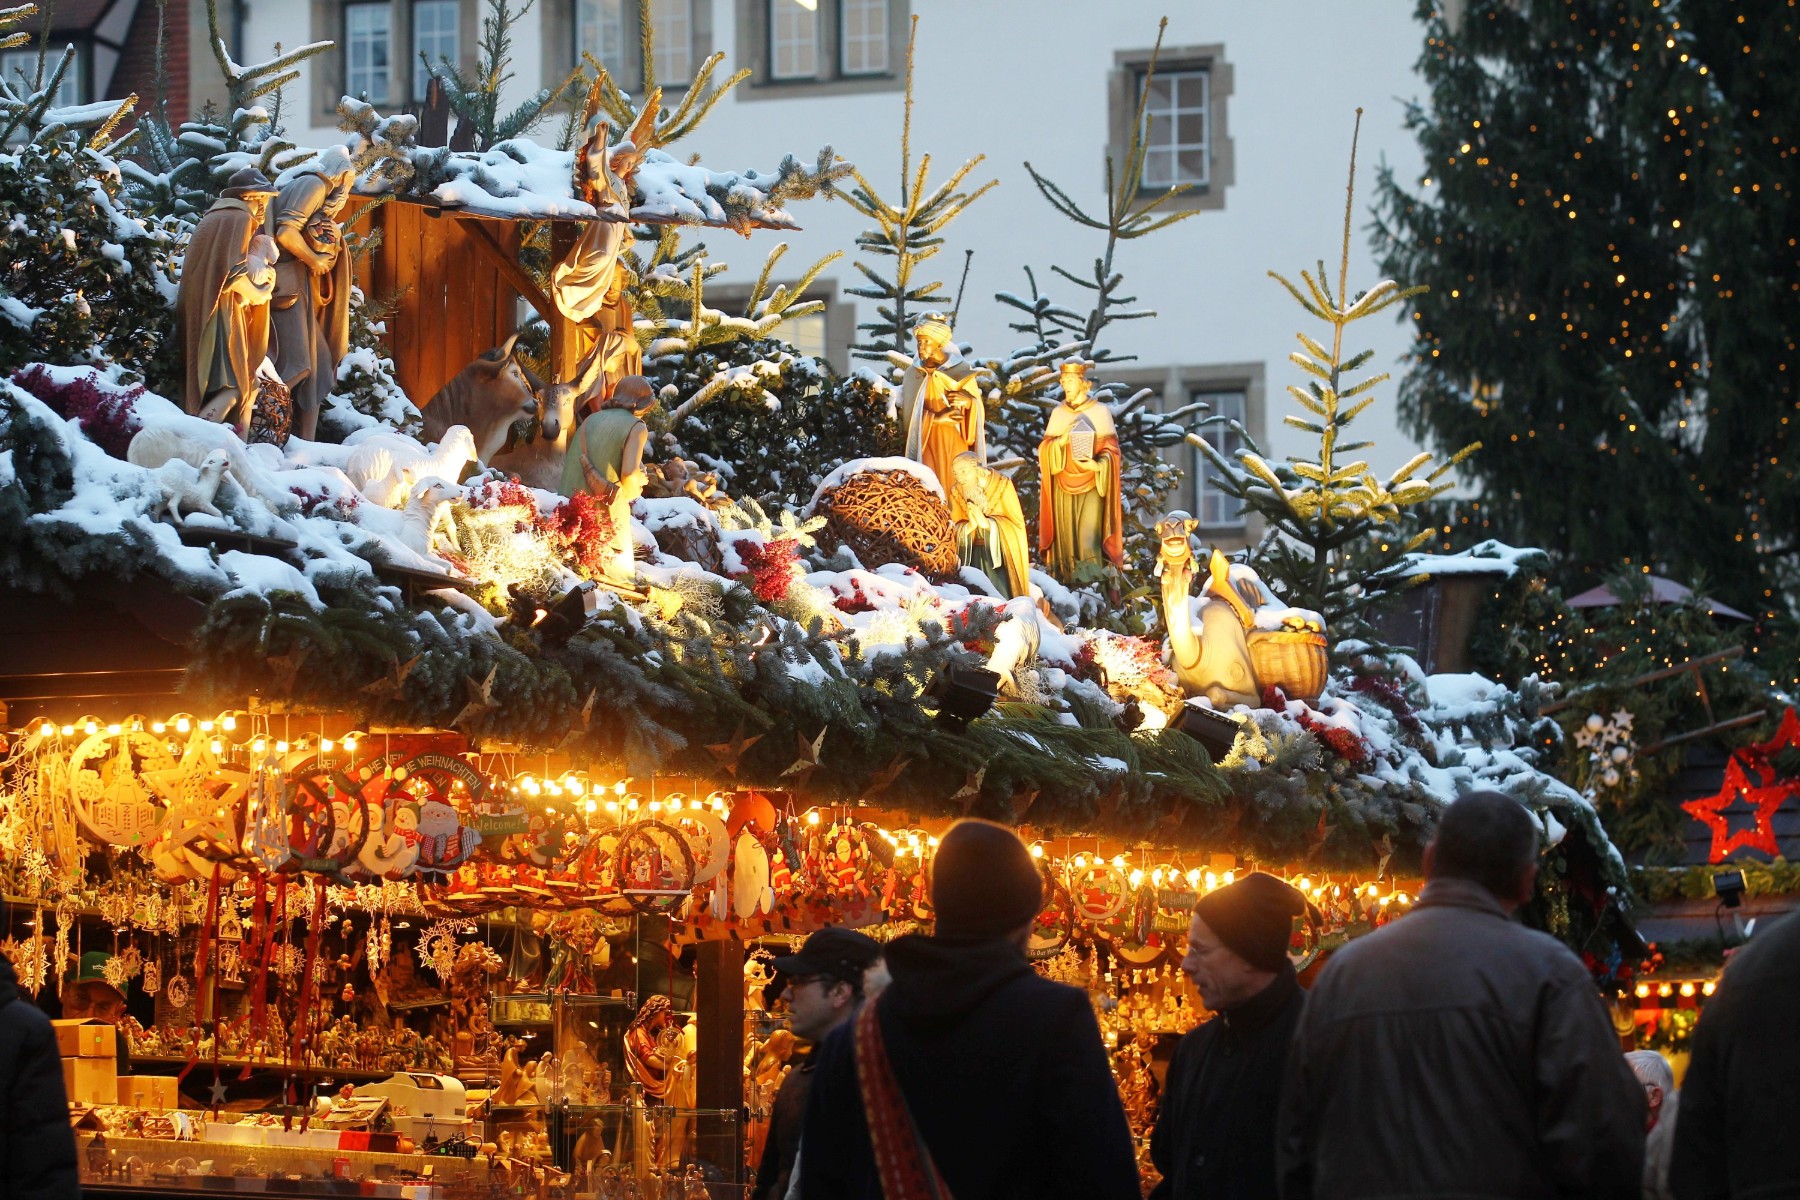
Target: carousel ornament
(941,405)
(1081,523)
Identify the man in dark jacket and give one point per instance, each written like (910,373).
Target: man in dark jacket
(37,1148)
(1740,1102)
(824,985)
(1002,1071)
(1215,1135)
(1457,1053)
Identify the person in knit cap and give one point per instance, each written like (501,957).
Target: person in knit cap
(970,1075)
(1215,1134)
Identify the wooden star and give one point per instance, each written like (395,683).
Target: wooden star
(481,697)
(808,761)
(966,796)
(1022,804)
(389,689)
(572,738)
(884,778)
(286,667)
(1316,844)
(1110,799)
(1710,811)
(730,754)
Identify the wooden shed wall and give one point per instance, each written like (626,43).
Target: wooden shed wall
(456,304)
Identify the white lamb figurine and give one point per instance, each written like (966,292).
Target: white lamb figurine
(182,486)
(385,467)
(1015,641)
(192,442)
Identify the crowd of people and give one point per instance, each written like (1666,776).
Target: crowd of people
(1455,1053)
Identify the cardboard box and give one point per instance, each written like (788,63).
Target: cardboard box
(149,1091)
(91,1080)
(85,1039)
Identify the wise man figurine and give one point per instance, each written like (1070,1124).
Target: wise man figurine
(990,535)
(606,457)
(590,284)
(310,310)
(942,407)
(1081,512)
(222,302)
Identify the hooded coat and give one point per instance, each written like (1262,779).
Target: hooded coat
(37,1147)
(223,315)
(1003,1071)
(1740,1099)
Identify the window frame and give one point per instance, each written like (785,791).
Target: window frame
(1125,88)
(1199,466)
(843,40)
(420,85)
(755,49)
(386,9)
(627,50)
(774,44)
(1176,147)
(690,23)
(74,81)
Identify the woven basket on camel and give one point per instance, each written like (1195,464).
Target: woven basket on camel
(891,517)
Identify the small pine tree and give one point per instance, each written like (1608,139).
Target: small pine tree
(476,100)
(909,233)
(1334,542)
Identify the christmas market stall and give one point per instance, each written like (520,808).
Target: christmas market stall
(425,717)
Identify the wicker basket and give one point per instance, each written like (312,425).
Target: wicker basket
(1293,660)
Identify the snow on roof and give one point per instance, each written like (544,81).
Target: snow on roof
(1485,558)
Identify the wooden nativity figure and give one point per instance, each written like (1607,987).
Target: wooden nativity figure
(589,284)
(310,310)
(990,535)
(222,302)
(606,457)
(1081,514)
(941,403)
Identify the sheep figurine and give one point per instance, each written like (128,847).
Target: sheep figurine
(181,486)
(385,467)
(1015,642)
(193,441)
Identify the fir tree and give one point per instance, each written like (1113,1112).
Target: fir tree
(476,99)
(1608,228)
(1334,542)
(909,233)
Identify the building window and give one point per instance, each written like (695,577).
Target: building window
(1176,113)
(793,39)
(1215,508)
(368,42)
(809,335)
(672,22)
(864,37)
(20,67)
(1186,127)
(434,39)
(600,31)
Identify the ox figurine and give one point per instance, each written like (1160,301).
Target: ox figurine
(489,396)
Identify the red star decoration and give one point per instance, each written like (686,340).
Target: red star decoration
(1710,810)
(1759,759)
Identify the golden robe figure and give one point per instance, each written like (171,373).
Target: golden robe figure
(990,535)
(606,457)
(222,302)
(310,310)
(1081,513)
(943,409)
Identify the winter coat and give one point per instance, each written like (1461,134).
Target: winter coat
(1215,1135)
(1455,1053)
(1740,1101)
(1003,1071)
(782,1146)
(37,1148)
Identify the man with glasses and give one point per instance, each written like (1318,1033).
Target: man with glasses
(824,986)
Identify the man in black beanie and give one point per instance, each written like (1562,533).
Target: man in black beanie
(1215,1135)
(976,1075)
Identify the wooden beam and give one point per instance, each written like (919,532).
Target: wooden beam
(719,1011)
(1719,727)
(1693,665)
(484,242)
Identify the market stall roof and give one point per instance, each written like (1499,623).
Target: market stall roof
(519,180)
(1662,591)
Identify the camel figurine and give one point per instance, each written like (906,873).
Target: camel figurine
(1247,640)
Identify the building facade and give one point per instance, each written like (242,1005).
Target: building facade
(1253,105)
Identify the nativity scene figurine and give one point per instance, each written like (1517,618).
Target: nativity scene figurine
(1081,517)
(228,276)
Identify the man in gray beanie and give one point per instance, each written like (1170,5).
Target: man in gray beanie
(971,1075)
(1215,1134)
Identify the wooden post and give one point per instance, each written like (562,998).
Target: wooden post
(719,1009)
(565,336)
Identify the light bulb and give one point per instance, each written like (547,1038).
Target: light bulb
(325,745)
(1643,991)
(1687,989)
(91,728)
(216,746)
(114,728)
(592,806)
(157,726)
(812,818)
(259,745)
(67,730)
(206,726)
(1037,852)
(281,747)
(182,725)
(46,729)
(229,723)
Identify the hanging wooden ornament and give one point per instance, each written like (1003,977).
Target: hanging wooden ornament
(1098,890)
(655,866)
(113,800)
(707,840)
(749,876)
(438,790)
